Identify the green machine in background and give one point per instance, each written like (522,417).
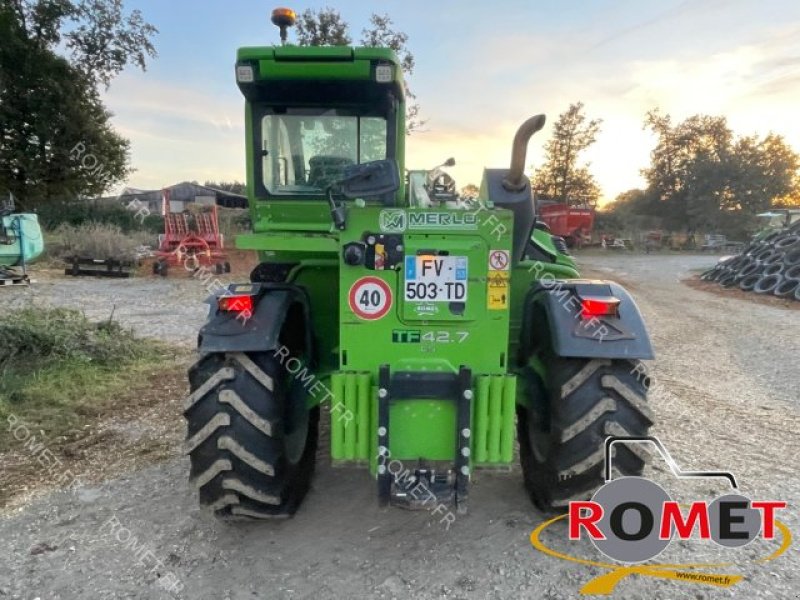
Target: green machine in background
(432,332)
(21,243)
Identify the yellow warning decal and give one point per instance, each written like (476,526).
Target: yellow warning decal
(497,290)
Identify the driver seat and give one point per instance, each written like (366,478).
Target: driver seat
(325,170)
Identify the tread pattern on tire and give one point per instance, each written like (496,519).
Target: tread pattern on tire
(582,403)
(235,418)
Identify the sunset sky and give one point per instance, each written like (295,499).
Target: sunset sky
(482,68)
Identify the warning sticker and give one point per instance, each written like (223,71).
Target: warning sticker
(498,260)
(370,298)
(497,290)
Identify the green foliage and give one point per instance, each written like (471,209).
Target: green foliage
(561,177)
(33,337)
(58,367)
(56,140)
(702,177)
(101,241)
(326,27)
(80,212)
(233,221)
(103,40)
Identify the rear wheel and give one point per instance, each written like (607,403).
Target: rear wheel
(570,414)
(251,439)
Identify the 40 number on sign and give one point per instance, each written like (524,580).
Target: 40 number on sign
(370,298)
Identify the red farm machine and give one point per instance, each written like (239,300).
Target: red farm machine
(191,239)
(572,220)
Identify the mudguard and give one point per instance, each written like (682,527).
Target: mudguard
(258,331)
(553,314)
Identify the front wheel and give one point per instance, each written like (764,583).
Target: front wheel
(570,413)
(251,439)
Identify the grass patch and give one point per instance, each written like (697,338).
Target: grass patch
(58,369)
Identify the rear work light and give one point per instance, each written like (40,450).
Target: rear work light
(236,304)
(384,73)
(607,306)
(244,74)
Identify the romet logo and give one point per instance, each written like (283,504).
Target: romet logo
(632,520)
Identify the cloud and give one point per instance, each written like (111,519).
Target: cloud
(178,132)
(477,84)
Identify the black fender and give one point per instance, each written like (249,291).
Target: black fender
(260,330)
(552,314)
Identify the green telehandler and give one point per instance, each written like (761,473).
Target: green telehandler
(425,328)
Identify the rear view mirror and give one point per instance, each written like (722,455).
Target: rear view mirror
(370,179)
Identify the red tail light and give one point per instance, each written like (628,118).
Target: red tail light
(236,303)
(599,307)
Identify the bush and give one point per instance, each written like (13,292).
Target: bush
(57,369)
(77,213)
(99,240)
(34,337)
(233,221)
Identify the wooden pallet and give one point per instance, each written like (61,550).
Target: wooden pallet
(22,280)
(77,266)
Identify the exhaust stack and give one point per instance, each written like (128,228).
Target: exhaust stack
(515,180)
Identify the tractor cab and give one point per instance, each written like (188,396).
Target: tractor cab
(313,112)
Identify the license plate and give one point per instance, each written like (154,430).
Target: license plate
(436,278)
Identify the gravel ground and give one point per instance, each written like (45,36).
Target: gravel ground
(724,395)
(169,309)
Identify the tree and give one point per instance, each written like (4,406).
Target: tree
(326,27)
(766,173)
(56,139)
(702,177)
(561,177)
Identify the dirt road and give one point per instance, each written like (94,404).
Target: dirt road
(725,395)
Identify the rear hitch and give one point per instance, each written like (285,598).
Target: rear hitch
(423,490)
(400,487)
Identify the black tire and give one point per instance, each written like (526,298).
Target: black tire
(708,274)
(718,274)
(786,288)
(252,451)
(792,272)
(792,258)
(226,266)
(773,269)
(797,293)
(562,431)
(728,280)
(749,282)
(775,259)
(753,268)
(790,242)
(767,284)
(762,252)
(219,268)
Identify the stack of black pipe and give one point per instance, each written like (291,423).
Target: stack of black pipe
(767,266)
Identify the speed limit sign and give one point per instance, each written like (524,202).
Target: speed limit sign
(370,298)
